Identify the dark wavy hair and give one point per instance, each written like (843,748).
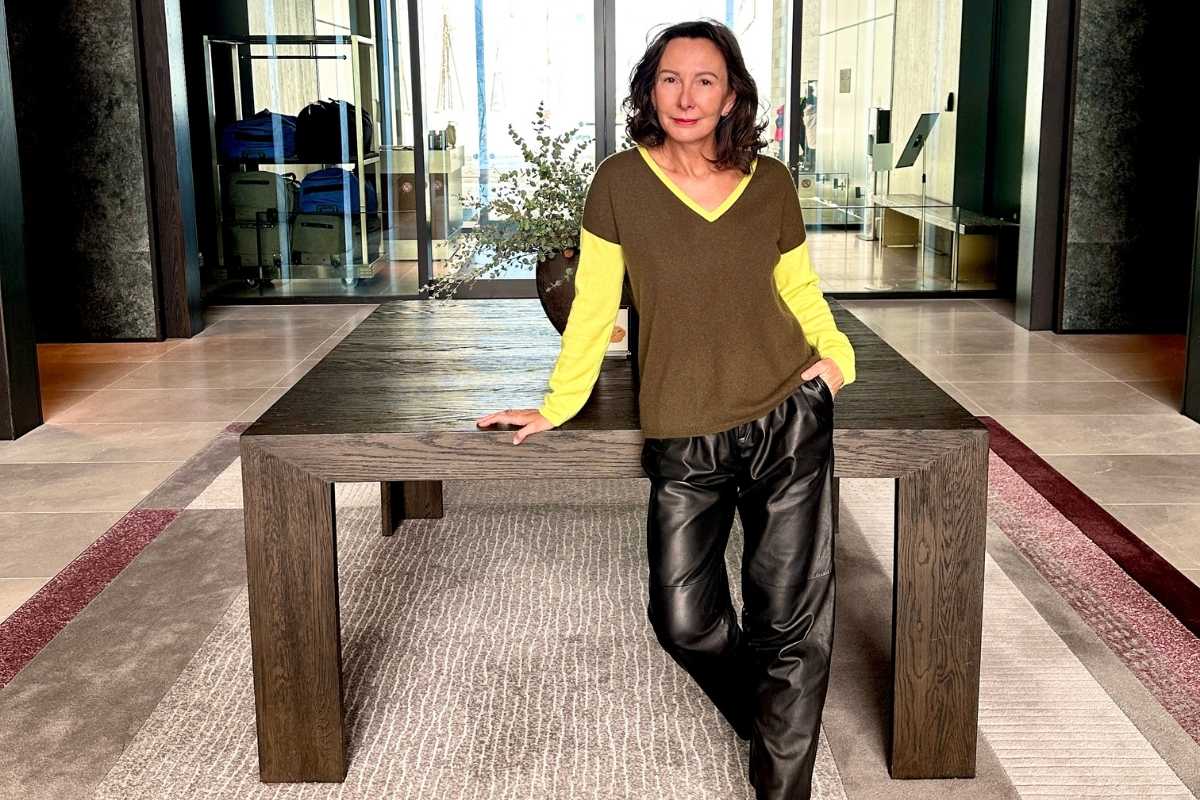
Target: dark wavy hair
(738,134)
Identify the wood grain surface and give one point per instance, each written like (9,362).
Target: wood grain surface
(428,366)
(295,630)
(403,500)
(396,402)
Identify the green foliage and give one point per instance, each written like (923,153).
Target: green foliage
(539,207)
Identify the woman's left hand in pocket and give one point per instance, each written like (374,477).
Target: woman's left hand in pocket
(828,369)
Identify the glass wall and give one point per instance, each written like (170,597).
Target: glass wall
(881,216)
(488,67)
(876,174)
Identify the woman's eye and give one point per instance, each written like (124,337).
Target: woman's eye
(706,82)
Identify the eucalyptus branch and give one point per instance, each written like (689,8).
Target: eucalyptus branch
(539,205)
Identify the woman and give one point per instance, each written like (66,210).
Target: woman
(740,362)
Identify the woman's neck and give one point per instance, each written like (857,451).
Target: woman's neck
(688,158)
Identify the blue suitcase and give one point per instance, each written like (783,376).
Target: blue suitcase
(333,191)
(266,136)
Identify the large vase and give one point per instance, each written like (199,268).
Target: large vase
(556,300)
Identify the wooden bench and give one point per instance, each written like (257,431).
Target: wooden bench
(396,402)
(975,238)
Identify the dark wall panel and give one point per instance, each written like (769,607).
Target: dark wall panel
(1010,63)
(20,403)
(76,91)
(169,160)
(1127,255)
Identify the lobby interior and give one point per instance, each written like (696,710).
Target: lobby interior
(1025,296)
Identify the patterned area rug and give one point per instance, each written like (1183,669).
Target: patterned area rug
(499,652)
(502,652)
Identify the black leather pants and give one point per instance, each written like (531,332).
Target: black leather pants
(769,675)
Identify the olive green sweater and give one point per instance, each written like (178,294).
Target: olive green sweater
(729,307)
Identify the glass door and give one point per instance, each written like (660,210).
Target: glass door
(486,67)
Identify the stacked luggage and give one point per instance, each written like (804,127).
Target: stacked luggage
(277,220)
(327,229)
(263,206)
(264,137)
(323,132)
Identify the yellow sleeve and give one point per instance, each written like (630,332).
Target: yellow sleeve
(599,278)
(801,292)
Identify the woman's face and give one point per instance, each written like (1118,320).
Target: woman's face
(691,90)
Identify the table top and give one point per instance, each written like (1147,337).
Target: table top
(430,366)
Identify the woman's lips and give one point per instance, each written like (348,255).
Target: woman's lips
(679,121)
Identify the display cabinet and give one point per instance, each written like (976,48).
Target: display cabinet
(261,247)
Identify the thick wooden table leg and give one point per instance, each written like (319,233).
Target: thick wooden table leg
(937,615)
(409,500)
(295,635)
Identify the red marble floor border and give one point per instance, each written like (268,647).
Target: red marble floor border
(41,617)
(1170,587)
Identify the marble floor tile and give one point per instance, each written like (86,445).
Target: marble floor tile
(110,441)
(225,491)
(326,347)
(341,311)
(15,591)
(239,348)
(1155,365)
(106,352)
(1000,305)
(162,405)
(216,313)
(56,374)
(79,487)
(932,305)
(906,324)
(1114,342)
(1060,397)
(1176,527)
(1095,434)
(55,402)
(1167,392)
(1114,479)
(272,327)
(1014,367)
(205,375)
(38,545)
(968,342)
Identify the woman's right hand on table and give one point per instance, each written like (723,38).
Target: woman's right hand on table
(530,420)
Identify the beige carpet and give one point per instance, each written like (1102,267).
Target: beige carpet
(501,652)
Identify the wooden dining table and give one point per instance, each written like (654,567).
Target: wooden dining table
(396,401)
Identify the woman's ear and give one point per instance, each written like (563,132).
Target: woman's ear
(729,104)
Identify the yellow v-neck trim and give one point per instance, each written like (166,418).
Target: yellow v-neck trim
(686,199)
